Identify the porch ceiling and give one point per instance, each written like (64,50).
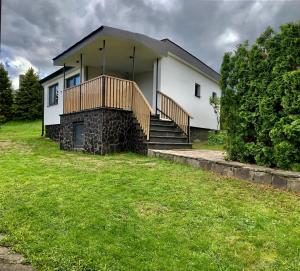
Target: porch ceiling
(118,49)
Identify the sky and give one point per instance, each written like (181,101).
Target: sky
(35,31)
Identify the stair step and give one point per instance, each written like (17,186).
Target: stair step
(162,122)
(154,117)
(175,133)
(162,127)
(168,146)
(168,139)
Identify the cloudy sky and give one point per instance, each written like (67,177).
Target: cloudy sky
(35,31)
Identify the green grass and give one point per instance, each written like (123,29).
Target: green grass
(203,145)
(74,211)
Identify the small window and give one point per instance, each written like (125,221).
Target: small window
(197,90)
(73,81)
(78,134)
(214,95)
(53,95)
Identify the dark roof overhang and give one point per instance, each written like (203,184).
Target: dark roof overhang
(54,74)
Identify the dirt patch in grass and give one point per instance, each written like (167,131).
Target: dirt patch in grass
(150,209)
(9,146)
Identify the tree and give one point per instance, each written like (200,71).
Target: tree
(260,104)
(6,96)
(215,103)
(28,102)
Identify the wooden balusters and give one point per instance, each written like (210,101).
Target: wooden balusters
(169,109)
(110,92)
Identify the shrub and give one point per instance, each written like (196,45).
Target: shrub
(2,119)
(216,137)
(260,105)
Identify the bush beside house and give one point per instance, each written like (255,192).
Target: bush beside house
(260,107)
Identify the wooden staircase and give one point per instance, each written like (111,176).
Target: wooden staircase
(165,135)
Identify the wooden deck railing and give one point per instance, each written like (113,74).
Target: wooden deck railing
(170,109)
(110,92)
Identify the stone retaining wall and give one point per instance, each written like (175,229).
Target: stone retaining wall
(105,131)
(256,174)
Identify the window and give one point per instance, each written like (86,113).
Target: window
(197,90)
(78,134)
(214,95)
(53,95)
(73,81)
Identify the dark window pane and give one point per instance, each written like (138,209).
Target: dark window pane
(214,95)
(78,134)
(53,95)
(197,90)
(73,81)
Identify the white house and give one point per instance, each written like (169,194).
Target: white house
(165,89)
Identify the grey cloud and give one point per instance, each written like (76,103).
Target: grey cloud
(38,30)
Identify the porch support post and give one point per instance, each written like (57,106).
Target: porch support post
(80,81)
(103,49)
(80,68)
(64,84)
(156,86)
(103,58)
(64,87)
(133,63)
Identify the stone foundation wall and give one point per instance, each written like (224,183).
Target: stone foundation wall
(105,131)
(199,133)
(53,131)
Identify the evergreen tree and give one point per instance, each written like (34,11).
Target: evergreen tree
(6,96)
(260,106)
(28,102)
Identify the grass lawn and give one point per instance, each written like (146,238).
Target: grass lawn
(74,211)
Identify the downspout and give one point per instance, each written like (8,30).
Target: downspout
(43,115)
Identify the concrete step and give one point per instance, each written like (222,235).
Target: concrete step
(162,122)
(163,127)
(175,133)
(168,139)
(168,146)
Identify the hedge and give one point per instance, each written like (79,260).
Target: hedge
(260,105)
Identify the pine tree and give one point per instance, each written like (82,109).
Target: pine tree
(28,102)
(6,97)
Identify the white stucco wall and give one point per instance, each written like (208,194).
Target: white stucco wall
(177,79)
(51,113)
(145,83)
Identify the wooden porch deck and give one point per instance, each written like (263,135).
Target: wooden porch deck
(112,92)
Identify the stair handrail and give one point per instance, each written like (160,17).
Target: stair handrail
(141,109)
(170,109)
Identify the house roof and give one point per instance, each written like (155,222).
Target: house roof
(54,74)
(177,50)
(162,47)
